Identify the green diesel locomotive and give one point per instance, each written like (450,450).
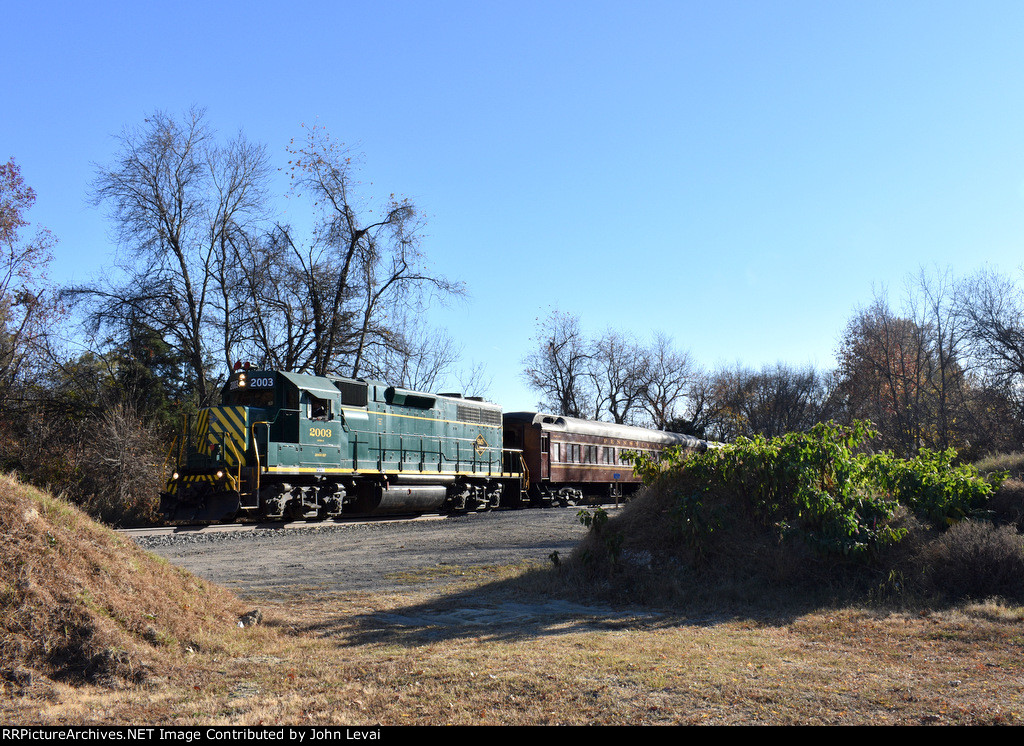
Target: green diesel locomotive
(288,445)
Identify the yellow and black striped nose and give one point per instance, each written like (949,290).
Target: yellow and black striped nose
(226,427)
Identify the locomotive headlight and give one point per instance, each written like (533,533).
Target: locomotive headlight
(241,380)
(174,475)
(220,475)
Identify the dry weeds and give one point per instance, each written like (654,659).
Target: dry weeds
(510,645)
(81,604)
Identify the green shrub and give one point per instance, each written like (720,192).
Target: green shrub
(933,487)
(820,487)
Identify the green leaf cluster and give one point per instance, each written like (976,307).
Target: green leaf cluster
(822,486)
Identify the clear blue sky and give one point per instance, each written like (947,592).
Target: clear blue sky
(738,174)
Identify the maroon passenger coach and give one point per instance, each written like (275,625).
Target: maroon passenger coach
(569,460)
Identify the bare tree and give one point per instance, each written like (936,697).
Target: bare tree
(557,368)
(183,208)
(773,401)
(473,380)
(274,321)
(205,266)
(727,391)
(361,262)
(933,299)
(26,307)
(414,355)
(992,308)
(786,399)
(613,377)
(703,407)
(671,376)
(238,173)
(990,305)
(619,372)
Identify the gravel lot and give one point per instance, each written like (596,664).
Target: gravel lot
(367,556)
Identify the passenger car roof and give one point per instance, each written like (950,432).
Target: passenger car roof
(560,423)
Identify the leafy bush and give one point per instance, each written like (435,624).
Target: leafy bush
(933,487)
(821,487)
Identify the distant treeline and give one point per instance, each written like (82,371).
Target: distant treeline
(943,368)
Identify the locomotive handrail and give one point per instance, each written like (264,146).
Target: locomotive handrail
(256,447)
(239,459)
(475,459)
(174,442)
(524,469)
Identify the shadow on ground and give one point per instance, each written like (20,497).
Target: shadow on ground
(511,610)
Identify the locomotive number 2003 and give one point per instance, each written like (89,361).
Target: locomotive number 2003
(320,432)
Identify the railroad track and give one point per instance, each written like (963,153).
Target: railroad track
(213,528)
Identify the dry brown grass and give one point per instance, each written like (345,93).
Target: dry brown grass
(513,645)
(341,661)
(80,603)
(1012,463)
(1008,503)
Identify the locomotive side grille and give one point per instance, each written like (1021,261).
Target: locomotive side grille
(478,415)
(352,393)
